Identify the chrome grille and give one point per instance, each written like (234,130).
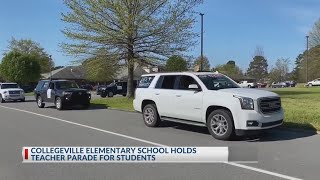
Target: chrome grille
(270,104)
(14,92)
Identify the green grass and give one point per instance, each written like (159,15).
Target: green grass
(29,94)
(301,106)
(122,103)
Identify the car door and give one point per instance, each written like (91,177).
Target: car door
(164,95)
(187,102)
(43,91)
(51,92)
(317,82)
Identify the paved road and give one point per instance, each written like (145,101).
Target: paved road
(280,154)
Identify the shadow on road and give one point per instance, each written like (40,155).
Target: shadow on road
(92,107)
(27,100)
(277,134)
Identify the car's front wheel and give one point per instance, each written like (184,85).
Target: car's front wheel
(1,99)
(40,102)
(150,116)
(310,85)
(220,124)
(59,104)
(110,94)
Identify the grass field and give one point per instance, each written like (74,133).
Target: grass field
(29,94)
(301,105)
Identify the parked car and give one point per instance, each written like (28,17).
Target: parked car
(88,87)
(248,84)
(11,92)
(279,85)
(62,93)
(315,82)
(290,84)
(211,100)
(262,85)
(98,89)
(113,89)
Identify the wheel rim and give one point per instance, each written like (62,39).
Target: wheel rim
(219,125)
(110,94)
(58,103)
(39,101)
(149,115)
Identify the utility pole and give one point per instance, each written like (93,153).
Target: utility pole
(50,68)
(307,58)
(201,61)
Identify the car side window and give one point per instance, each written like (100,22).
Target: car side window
(145,81)
(51,85)
(167,82)
(45,86)
(185,81)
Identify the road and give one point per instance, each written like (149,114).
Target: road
(279,154)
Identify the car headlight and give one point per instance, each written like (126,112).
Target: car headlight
(22,92)
(67,93)
(246,103)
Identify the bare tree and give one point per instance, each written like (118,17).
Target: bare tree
(258,51)
(315,34)
(132,30)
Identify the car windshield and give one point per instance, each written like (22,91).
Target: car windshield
(9,86)
(217,81)
(66,85)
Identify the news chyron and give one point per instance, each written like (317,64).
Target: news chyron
(124,154)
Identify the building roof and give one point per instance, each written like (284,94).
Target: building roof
(68,72)
(137,73)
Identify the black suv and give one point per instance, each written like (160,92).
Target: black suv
(113,89)
(62,93)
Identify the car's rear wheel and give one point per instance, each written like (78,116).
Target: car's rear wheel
(220,124)
(151,117)
(310,85)
(58,103)
(249,86)
(40,102)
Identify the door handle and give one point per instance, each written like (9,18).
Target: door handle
(157,94)
(178,95)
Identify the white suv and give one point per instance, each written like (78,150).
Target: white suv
(206,99)
(11,92)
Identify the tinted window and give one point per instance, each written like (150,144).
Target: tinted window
(145,81)
(45,85)
(217,81)
(168,82)
(40,84)
(9,86)
(185,81)
(66,85)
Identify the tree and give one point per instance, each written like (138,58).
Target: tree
(315,34)
(230,69)
(101,68)
(27,46)
(20,68)
(176,63)
(133,30)
(205,63)
(313,64)
(258,67)
(280,71)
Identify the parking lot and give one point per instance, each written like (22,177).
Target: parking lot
(280,154)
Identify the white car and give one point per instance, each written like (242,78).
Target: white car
(315,82)
(247,84)
(11,92)
(207,99)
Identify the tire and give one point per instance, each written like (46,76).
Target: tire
(58,103)
(249,86)
(310,85)
(103,94)
(23,100)
(124,95)
(227,132)
(1,99)
(151,117)
(86,106)
(110,94)
(40,103)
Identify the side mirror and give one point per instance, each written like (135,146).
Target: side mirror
(51,86)
(194,87)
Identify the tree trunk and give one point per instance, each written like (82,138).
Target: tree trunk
(130,88)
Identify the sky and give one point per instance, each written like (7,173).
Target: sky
(232,28)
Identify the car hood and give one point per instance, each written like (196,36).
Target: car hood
(12,89)
(247,92)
